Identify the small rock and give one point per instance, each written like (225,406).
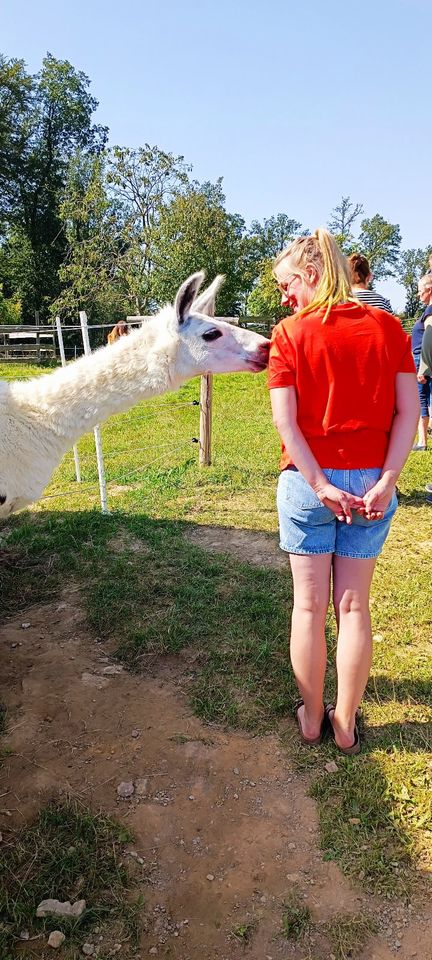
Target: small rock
(55,939)
(24,935)
(236,771)
(331,767)
(66,909)
(88,949)
(355,821)
(113,670)
(125,789)
(135,734)
(210,876)
(141,787)
(191,797)
(25,626)
(236,796)
(378,637)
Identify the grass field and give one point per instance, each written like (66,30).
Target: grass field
(376,812)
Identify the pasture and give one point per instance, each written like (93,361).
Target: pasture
(149,647)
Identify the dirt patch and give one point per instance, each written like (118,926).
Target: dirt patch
(224,829)
(259,549)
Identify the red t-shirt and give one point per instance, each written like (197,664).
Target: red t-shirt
(344,373)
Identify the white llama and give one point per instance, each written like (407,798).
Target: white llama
(42,418)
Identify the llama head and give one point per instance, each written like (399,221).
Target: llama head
(206,345)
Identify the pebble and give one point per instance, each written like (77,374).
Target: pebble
(55,939)
(141,786)
(355,821)
(236,771)
(88,949)
(125,789)
(135,734)
(331,767)
(210,876)
(24,935)
(191,797)
(25,626)
(66,909)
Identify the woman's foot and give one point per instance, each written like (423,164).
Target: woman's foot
(419,448)
(348,741)
(311,732)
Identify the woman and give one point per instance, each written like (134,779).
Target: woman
(361,278)
(424,382)
(345,402)
(121,329)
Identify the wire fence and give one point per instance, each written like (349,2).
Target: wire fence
(107,457)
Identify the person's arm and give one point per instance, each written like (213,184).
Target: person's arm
(401,438)
(284,408)
(425,368)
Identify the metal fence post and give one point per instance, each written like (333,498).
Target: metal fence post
(96,431)
(63,363)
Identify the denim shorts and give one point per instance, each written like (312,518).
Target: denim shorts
(306,526)
(424,390)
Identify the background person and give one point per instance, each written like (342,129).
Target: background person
(344,399)
(121,329)
(424,380)
(361,278)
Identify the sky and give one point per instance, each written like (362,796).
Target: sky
(294,104)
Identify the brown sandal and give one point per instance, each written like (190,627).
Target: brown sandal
(306,740)
(355,747)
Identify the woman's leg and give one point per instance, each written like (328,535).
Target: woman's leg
(351,587)
(311,578)
(422,430)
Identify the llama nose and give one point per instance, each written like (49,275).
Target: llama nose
(264,349)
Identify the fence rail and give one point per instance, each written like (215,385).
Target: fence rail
(39,342)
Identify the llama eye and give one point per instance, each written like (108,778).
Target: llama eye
(212,335)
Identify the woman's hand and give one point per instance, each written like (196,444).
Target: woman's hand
(421,378)
(339,502)
(377,499)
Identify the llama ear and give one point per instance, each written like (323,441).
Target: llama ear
(186,296)
(205,303)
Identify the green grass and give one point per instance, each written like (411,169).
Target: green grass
(158,594)
(296,917)
(348,935)
(67,854)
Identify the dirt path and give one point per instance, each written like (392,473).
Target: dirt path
(222,822)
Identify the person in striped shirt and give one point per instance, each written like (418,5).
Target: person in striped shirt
(361,277)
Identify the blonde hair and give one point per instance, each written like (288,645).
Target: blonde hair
(322,251)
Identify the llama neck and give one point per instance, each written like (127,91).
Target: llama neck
(73,399)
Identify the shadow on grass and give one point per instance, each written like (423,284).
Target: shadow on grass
(144,582)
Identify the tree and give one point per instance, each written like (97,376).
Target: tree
(47,118)
(195,232)
(412,265)
(380,242)
(265,299)
(342,221)
(143,183)
(93,229)
(274,234)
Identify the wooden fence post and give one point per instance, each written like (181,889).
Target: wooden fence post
(206,398)
(206,414)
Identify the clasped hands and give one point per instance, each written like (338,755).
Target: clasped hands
(372,505)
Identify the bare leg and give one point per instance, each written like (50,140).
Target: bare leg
(311,578)
(422,431)
(351,586)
